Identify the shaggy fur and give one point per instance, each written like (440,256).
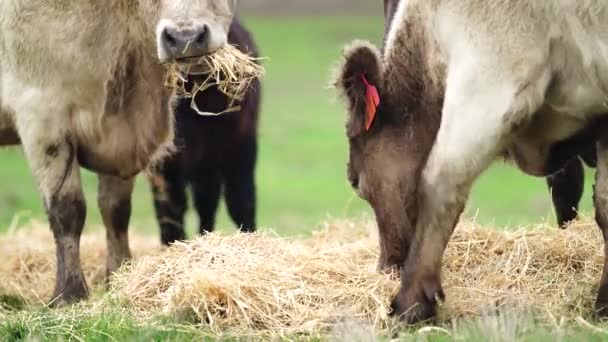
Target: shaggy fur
(214,154)
(81,85)
(465,82)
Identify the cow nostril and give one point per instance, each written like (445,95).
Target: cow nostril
(202,36)
(354,182)
(168,38)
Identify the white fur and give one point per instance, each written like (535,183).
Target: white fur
(519,76)
(509,53)
(396,25)
(216,15)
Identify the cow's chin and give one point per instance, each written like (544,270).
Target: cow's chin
(193,67)
(183,61)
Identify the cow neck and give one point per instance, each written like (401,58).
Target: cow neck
(411,77)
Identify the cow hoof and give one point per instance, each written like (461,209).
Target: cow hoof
(601,309)
(71,293)
(392,270)
(170,236)
(389,266)
(418,302)
(412,312)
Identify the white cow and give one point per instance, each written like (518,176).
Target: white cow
(460,83)
(81,85)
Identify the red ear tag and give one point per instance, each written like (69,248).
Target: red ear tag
(372,100)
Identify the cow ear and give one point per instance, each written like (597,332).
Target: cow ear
(358,79)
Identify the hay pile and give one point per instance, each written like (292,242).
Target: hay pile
(28,262)
(553,272)
(258,282)
(231,70)
(263,284)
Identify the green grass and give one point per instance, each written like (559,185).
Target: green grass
(82,324)
(301,181)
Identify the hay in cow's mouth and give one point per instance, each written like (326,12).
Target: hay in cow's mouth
(228,69)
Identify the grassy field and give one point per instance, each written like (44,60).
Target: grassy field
(74,325)
(301,180)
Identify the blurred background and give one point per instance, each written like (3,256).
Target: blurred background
(301,173)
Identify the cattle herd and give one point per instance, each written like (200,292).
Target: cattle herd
(456,85)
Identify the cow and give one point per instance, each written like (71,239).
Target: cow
(566,185)
(81,85)
(457,85)
(212,152)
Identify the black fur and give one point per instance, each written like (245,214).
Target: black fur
(67,216)
(215,153)
(567,183)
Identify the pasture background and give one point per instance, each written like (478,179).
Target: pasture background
(301,171)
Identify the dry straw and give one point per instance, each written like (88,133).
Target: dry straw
(263,284)
(229,69)
(28,262)
(258,283)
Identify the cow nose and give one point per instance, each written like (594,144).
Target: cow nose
(184,43)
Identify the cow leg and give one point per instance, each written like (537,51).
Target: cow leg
(240,193)
(600,200)
(566,188)
(170,203)
(478,116)
(114,200)
(51,155)
(206,188)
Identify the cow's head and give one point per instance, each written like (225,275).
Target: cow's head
(192,28)
(386,148)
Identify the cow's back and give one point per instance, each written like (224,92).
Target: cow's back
(90,36)
(508,31)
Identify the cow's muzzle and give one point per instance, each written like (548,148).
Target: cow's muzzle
(177,43)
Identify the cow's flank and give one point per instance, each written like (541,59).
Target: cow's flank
(81,85)
(462,83)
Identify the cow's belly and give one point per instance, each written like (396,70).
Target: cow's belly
(111,155)
(8,133)
(570,108)
(575,99)
(582,93)
(8,136)
(530,148)
(127,143)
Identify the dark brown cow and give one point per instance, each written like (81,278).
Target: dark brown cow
(214,153)
(460,84)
